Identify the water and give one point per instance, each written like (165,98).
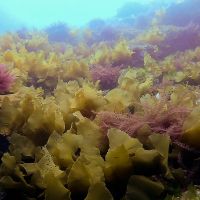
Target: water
(39,14)
(100,100)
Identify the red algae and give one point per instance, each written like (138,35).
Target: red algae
(98,111)
(6,79)
(159,120)
(107,75)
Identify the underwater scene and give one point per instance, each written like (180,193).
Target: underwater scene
(99,100)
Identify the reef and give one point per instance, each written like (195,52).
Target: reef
(101,113)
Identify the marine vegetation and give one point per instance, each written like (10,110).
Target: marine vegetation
(85,115)
(6,79)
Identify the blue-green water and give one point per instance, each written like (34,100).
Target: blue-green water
(39,14)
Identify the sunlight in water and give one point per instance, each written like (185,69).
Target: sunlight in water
(40,13)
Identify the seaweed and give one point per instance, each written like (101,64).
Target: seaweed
(107,75)
(107,111)
(6,79)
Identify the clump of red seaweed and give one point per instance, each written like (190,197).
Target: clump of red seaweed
(166,118)
(107,75)
(162,118)
(6,79)
(189,34)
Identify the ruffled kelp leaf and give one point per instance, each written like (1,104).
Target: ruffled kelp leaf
(27,106)
(65,149)
(36,179)
(146,161)
(78,179)
(143,133)
(43,121)
(185,96)
(154,36)
(38,170)
(11,175)
(69,88)
(117,163)
(10,117)
(102,56)
(143,188)
(118,100)
(135,81)
(8,164)
(98,191)
(46,165)
(55,189)
(16,111)
(63,98)
(91,132)
(146,85)
(53,140)
(30,168)
(121,54)
(87,99)
(130,86)
(149,99)
(26,100)
(161,144)
(180,76)
(22,178)
(118,158)
(86,171)
(35,127)
(75,69)
(55,117)
(191,129)
(21,147)
(117,138)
